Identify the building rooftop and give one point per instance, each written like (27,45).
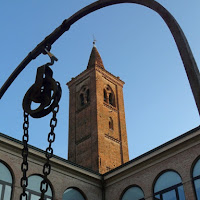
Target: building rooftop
(184,137)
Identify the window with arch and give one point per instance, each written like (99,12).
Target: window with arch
(72,194)
(33,188)
(105,95)
(111,126)
(196,178)
(109,96)
(5,182)
(82,99)
(84,96)
(133,193)
(111,100)
(169,187)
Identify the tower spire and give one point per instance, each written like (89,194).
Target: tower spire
(95,58)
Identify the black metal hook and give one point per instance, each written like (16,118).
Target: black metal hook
(51,56)
(45,91)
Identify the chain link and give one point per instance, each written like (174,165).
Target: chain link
(49,153)
(24,165)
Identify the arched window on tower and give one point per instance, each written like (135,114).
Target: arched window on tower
(84,96)
(169,186)
(109,96)
(105,95)
(5,182)
(82,99)
(196,178)
(111,127)
(88,95)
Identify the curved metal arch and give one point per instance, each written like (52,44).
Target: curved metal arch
(179,37)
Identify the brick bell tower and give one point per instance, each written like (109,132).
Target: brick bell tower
(97,127)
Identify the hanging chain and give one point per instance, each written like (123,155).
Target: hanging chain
(24,165)
(47,93)
(49,153)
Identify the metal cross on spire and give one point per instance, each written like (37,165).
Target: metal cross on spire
(94,41)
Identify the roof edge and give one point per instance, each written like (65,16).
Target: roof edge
(155,149)
(43,152)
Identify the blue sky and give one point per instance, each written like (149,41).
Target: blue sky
(134,43)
